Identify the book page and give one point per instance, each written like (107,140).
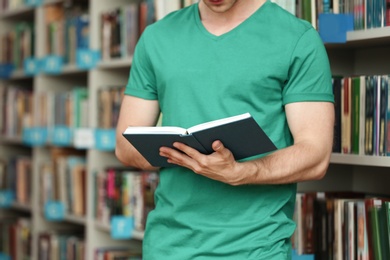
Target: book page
(155,130)
(217,122)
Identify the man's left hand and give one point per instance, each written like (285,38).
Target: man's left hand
(220,165)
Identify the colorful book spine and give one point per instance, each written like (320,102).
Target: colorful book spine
(382,111)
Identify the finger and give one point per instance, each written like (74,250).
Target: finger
(169,152)
(217,146)
(220,149)
(191,158)
(188,150)
(177,155)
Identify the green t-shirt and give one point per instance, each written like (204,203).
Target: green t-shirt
(266,62)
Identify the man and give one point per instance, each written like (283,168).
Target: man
(221,58)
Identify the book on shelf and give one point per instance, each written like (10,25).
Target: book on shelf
(66,242)
(327,225)
(109,102)
(15,237)
(240,134)
(124,192)
(346,116)
(337,88)
(362,117)
(387,146)
(382,103)
(114,253)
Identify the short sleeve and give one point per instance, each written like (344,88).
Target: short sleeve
(142,82)
(309,77)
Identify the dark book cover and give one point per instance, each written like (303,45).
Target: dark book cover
(355,114)
(383,230)
(369,119)
(386,216)
(321,218)
(243,137)
(337,81)
(383,92)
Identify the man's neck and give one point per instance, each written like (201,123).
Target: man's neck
(219,23)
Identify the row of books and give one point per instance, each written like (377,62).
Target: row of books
(63,108)
(62,244)
(63,179)
(122,26)
(54,117)
(334,225)
(117,253)
(304,9)
(362,115)
(20,109)
(120,30)
(366,13)
(16,243)
(15,176)
(11,4)
(16,237)
(15,110)
(70,108)
(17,44)
(109,102)
(66,29)
(59,245)
(124,192)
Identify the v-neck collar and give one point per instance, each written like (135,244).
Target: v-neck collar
(226,34)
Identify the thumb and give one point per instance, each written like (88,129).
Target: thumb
(217,146)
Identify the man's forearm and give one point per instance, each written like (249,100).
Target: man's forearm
(300,162)
(129,156)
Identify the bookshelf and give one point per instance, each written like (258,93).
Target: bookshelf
(92,235)
(365,52)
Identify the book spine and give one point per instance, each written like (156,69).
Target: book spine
(382,116)
(388,124)
(355,115)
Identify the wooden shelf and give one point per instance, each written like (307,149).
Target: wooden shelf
(19,12)
(115,63)
(363,160)
(81,220)
(364,38)
(138,235)
(21,207)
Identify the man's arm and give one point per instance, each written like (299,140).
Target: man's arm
(134,112)
(311,124)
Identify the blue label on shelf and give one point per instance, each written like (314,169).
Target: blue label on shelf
(31,66)
(33,2)
(6,198)
(35,136)
(62,136)
(4,257)
(105,139)
(6,70)
(54,210)
(295,256)
(333,28)
(87,59)
(122,227)
(52,64)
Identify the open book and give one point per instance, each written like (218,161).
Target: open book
(240,134)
